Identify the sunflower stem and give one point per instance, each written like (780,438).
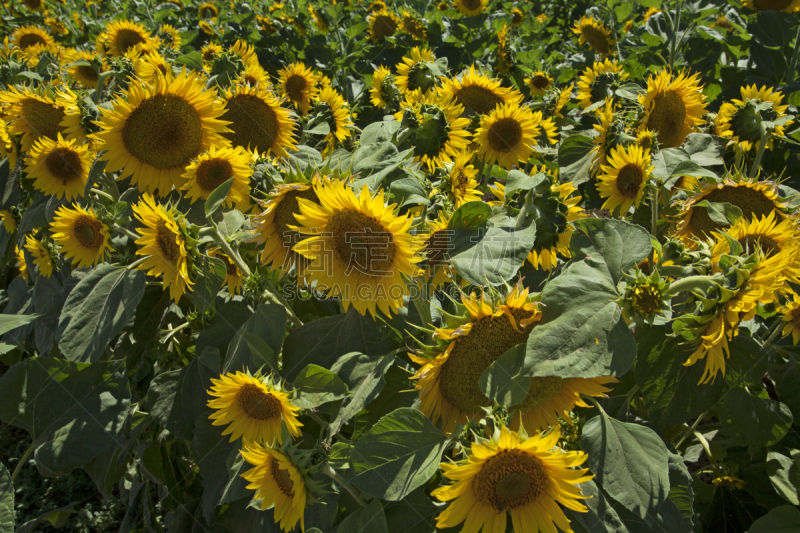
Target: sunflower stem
(230,252)
(651,259)
(762,145)
(136,263)
(127,232)
(104,194)
(331,473)
(674,44)
(688,284)
(22,461)
(793,64)
(271,294)
(691,429)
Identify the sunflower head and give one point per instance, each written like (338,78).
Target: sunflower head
(673,108)
(600,81)
(59,168)
(298,83)
(463,186)
(470,8)
(43,256)
(417,71)
(122,35)
(207,10)
(384,91)
(35,115)
(27,36)
(382,24)
(790,315)
(479,93)
(539,83)
(508,134)
(214,167)
(740,120)
(786,6)
(414,26)
(170,36)
(330,107)
(623,179)
(434,247)
(644,298)
(81,235)
(517,16)
(595,34)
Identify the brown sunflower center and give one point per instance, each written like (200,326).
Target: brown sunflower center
(88,73)
(771,5)
(489,338)
(471,5)
(64,164)
(207,11)
(259,404)
(596,39)
(31,39)
(795,313)
(230,268)
(504,135)
(667,114)
(88,232)
(751,201)
(212,173)
(281,477)
(478,99)
(629,180)
(646,141)
(164,131)
(43,118)
(541,391)
(33,4)
(362,243)
(766,244)
(647,299)
(286,210)
(436,248)
(511,479)
(167,243)
(540,82)
(295,87)
(253,122)
(383,26)
(127,39)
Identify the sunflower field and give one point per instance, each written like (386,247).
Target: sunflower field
(400,266)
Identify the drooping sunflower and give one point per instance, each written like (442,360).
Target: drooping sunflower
(298,83)
(539,83)
(27,36)
(623,179)
(214,167)
(86,75)
(507,135)
(595,34)
(254,407)
(382,24)
(9,221)
(599,81)
(151,65)
(478,93)
(273,227)
(41,255)
(254,76)
(319,19)
(754,198)
(650,12)
(244,51)
(554,228)
(384,91)
(337,113)
(737,120)
(207,11)
(208,53)
(563,99)
(22,265)
(463,185)
(414,72)
(154,131)
(414,26)
(164,244)
(470,8)
(278,483)
(122,35)
(33,115)
(790,314)
(81,236)
(59,168)
(787,6)
(434,246)
(358,248)
(610,130)
(526,479)
(257,122)
(517,16)
(233,276)
(673,108)
(171,36)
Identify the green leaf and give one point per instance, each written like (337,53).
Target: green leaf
(704,149)
(192,60)
(402,452)
(491,255)
(722,213)
(56,517)
(783,519)
(220,465)
(395,393)
(629,461)
(367,519)
(650,3)
(379,131)
(211,274)
(166,403)
(316,386)
(784,474)
(753,421)
(520,181)
(691,168)
(502,381)
(257,342)
(365,377)
(97,309)
(223,327)
(575,159)
(375,162)
(6,501)
(73,411)
(416,512)
(601,517)
(617,245)
(469,216)
(11,322)
(787,384)
(408,191)
(217,198)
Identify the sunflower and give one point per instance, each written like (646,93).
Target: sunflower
(154,131)
(507,135)
(384,92)
(443,6)
(33,115)
(122,35)
(27,36)
(274,225)
(34,5)
(382,24)
(22,265)
(414,72)
(278,484)
(791,316)
(609,132)
(56,25)
(86,75)
(470,8)
(517,17)
(627,27)
(787,6)
(672,108)
(539,83)
(254,76)
(209,52)
(738,122)
(554,231)
(257,121)
(337,114)
(319,19)
(245,52)
(33,54)
(8,148)
(463,185)
(376,6)
(164,245)
(81,236)
(563,99)
(9,220)
(207,11)
(254,408)
(524,478)
(214,167)
(298,84)
(151,65)
(650,12)
(648,139)
(171,36)
(434,246)
(41,256)
(595,34)
(622,181)
(358,248)
(599,82)
(478,93)
(59,168)
(233,276)
(754,198)
(414,26)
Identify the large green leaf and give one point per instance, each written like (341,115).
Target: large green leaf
(502,381)
(267,324)
(97,309)
(491,255)
(784,474)
(223,327)
(754,422)
(211,273)
(11,322)
(630,463)
(399,454)
(616,245)
(575,159)
(365,377)
(6,501)
(74,411)
(367,519)
(783,519)
(316,386)
(166,403)
(416,512)
(217,197)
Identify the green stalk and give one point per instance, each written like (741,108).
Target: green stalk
(687,284)
(762,145)
(272,295)
(331,473)
(674,45)
(793,63)
(691,429)
(22,461)
(653,227)
(230,252)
